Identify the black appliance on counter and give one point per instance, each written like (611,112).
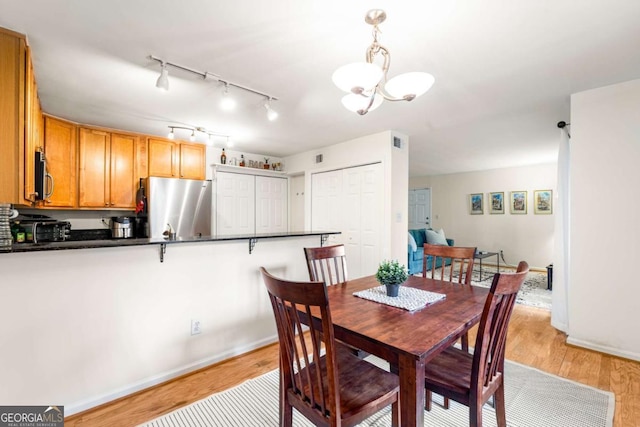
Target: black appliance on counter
(48,231)
(43,184)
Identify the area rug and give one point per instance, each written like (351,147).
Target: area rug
(533,293)
(533,399)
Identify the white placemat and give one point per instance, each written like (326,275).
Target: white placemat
(408,298)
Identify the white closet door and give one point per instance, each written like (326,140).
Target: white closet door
(352,211)
(326,203)
(351,200)
(235,200)
(371,218)
(271,204)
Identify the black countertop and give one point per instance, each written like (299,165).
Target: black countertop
(111,243)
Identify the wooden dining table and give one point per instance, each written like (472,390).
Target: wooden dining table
(407,340)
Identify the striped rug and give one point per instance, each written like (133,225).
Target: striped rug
(533,399)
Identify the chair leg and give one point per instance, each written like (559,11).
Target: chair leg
(286,415)
(475,415)
(428,398)
(499,404)
(395,414)
(465,342)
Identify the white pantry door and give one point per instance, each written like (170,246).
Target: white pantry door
(235,204)
(271,204)
(326,200)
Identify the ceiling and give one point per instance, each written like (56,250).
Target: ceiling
(504,69)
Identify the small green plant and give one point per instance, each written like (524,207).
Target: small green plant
(392,273)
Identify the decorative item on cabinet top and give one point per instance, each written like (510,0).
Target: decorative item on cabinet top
(256,170)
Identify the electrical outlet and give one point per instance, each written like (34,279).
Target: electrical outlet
(196,327)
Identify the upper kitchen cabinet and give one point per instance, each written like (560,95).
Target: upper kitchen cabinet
(107,169)
(192,161)
(34,135)
(172,159)
(13,54)
(60,146)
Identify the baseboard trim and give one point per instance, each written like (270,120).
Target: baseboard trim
(76,407)
(604,349)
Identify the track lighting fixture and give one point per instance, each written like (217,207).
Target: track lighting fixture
(227,102)
(271,113)
(192,137)
(163,80)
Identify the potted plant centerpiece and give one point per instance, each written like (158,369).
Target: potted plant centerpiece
(392,274)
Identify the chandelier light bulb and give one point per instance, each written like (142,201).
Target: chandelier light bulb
(408,84)
(163,81)
(361,76)
(358,103)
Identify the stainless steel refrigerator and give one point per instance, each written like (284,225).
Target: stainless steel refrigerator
(180,205)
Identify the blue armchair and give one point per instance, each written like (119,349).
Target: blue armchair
(414,263)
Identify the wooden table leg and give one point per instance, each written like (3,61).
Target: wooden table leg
(411,375)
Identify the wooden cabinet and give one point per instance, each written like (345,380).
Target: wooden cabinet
(107,171)
(163,155)
(12,113)
(192,161)
(34,132)
(60,144)
(172,159)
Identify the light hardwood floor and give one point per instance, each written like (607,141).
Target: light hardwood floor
(531,341)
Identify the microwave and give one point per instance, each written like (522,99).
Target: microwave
(49,231)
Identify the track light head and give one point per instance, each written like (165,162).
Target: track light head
(271,113)
(171,135)
(192,138)
(227,103)
(163,81)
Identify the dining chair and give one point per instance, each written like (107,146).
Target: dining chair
(471,379)
(456,266)
(334,388)
(327,264)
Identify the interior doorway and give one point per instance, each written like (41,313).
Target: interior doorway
(419,208)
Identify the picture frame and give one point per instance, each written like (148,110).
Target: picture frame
(543,202)
(476,204)
(496,202)
(518,203)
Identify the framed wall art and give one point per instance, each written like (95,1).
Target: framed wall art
(518,202)
(543,202)
(475,204)
(496,202)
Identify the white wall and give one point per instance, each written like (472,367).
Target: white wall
(361,151)
(81,327)
(605,152)
(522,237)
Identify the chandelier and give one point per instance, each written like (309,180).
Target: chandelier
(366,82)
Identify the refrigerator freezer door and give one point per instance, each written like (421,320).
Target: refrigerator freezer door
(183,205)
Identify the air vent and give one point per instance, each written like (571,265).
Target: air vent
(397,142)
(318,158)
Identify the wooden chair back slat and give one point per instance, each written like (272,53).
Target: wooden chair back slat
(460,268)
(327,264)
